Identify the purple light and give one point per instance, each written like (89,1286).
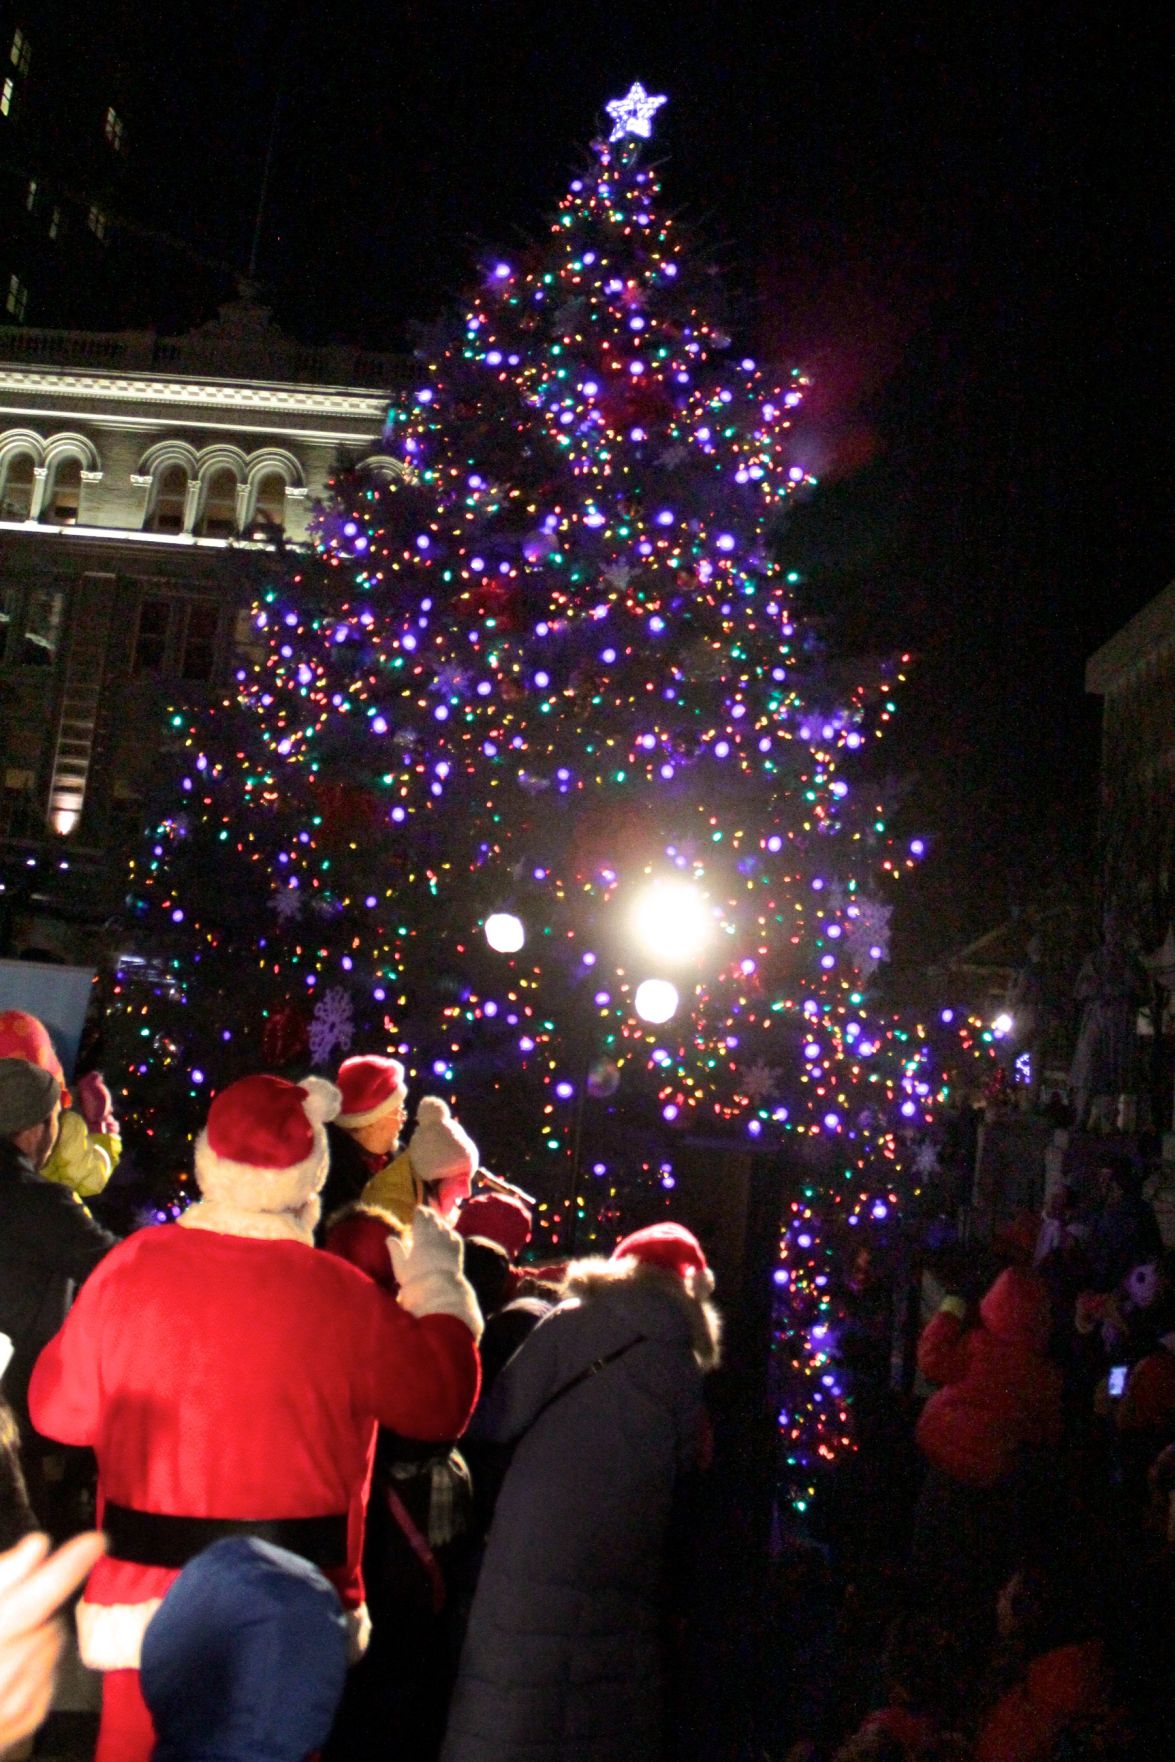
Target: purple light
(197,1076)
(439,1067)
(378,725)
(379,994)
(602,998)
(917,847)
(424,397)
(754,1127)
(398,815)
(879,1210)
(775,842)
(909,1109)
(589,388)
(564,1091)
(636,366)
(832,1121)
(501,271)
(494,358)
(724,541)
(804,1241)
(350,529)
(177,917)
(526,1044)
(669,1111)
(947,1015)
(490,1008)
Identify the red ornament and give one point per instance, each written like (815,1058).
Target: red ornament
(285,1039)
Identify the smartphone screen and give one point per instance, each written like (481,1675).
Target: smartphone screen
(1117,1380)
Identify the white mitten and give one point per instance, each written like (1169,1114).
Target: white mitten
(427,1268)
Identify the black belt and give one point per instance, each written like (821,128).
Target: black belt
(155,1538)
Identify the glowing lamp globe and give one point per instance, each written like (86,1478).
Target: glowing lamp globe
(504,932)
(671,920)
(655,1000)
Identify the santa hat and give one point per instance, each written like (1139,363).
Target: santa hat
(369,1087)
(672,1247)
(264,1146)
(496,1217)
(439,1147)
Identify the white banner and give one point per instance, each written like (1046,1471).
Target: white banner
(57,996)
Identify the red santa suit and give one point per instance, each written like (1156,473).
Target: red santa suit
(229,1377)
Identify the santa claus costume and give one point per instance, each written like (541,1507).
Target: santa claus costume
(230,1378)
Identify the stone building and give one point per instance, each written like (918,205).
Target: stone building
(143,479)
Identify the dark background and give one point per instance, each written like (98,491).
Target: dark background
(958,218)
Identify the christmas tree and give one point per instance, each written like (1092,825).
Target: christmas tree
(537,777)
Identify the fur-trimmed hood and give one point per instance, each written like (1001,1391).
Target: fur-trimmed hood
(657,1302)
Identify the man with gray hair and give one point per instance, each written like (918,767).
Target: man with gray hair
(48,1240)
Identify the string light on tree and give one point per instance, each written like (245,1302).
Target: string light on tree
(541,651)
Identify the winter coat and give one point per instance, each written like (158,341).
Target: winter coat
(348,1172)
(561,1661)
(49,1243)
(81,1159)
(1058,1688)
(1000,1392)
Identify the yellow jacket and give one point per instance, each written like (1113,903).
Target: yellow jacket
(396,1189)
(81,1159)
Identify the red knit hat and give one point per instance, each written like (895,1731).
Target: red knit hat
(670,1246)
(369,1087)
(264,1147)
(496,1217)
(24,1036)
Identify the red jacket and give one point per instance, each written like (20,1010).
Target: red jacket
(1000,1390)
(237,1376)
(1058,1687)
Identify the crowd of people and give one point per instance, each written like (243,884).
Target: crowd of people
(305,1463)
(1017,1602)
(370,1482)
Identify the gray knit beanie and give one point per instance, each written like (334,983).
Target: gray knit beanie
(27,1095)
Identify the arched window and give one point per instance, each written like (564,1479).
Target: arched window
(16,497)
(220,504)
(171,497)
(269,509)
(61,504)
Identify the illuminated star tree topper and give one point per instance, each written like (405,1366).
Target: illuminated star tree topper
(633,114)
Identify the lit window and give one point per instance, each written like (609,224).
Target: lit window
(96,221)
(61,504)
(21,52)
(114,129)
(16,496)
(269,511)
(42,627)
(18,297)
(7,93)
(30,195)
(171,499)
(220,504)
(55,223)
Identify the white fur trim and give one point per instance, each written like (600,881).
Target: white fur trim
(110,1635)
(443,1293)
(250,1188)
(352,1121)
(358,1632)
(322,1102)
(222,1219)
(586,1279)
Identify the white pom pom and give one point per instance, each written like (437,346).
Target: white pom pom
(323,1100)
(432,1109)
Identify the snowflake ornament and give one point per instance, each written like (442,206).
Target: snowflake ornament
(618,576)
(926,1158)
(867,934)
(331,1025)
(287,903)
(759,1081)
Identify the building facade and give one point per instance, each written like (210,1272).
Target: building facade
(144,483)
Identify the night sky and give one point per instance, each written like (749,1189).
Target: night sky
(958,219)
